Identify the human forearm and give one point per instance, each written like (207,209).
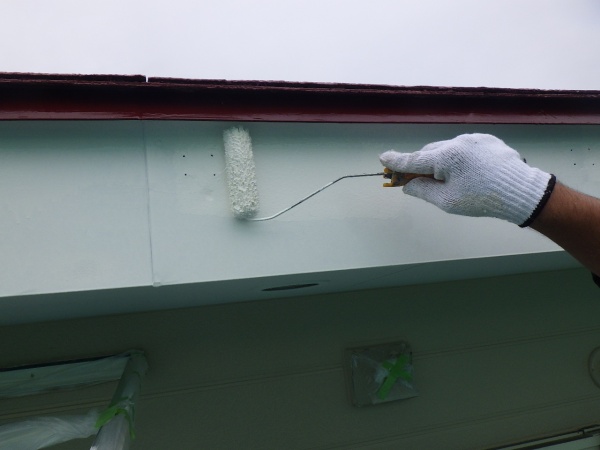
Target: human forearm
(572,220)
(479,175)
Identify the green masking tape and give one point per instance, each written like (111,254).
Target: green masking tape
(395,370)
(114,410)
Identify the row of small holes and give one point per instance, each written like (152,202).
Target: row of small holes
(589,150)
(212,156)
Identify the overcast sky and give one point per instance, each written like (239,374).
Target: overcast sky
(547,44)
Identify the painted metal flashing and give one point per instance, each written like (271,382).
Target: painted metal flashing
(135,97)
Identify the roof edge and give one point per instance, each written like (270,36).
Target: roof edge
(31,96)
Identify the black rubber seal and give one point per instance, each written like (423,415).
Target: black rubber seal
(542,202)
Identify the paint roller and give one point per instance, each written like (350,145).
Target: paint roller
(240,173)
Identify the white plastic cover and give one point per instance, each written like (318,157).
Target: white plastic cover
(115,435)
(42,432)
(118,432)
(116,422)
(18,382)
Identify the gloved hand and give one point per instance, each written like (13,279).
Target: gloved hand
(475,175)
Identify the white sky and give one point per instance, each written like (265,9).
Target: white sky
(547,44)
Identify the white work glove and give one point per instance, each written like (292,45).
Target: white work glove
(475,175)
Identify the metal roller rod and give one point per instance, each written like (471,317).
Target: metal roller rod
(259,219)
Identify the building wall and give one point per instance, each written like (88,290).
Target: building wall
(497,360)
(96,213)
(95,205)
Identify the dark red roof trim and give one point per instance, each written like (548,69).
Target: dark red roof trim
(89,97)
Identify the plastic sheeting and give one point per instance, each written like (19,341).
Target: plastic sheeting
(42,432)
(115,435)
(118,431)
(21,381)
(115,423)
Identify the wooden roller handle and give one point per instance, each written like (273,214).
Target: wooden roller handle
(400,179)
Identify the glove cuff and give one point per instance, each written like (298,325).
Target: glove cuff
(542,202)
(523,190)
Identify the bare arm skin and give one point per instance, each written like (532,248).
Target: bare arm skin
(572,220)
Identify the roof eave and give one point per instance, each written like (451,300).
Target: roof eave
(119,97)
